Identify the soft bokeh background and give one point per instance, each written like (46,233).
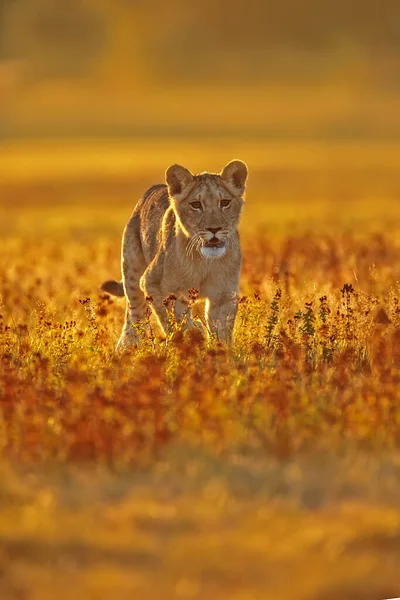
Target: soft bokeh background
(258,68)
(97,97)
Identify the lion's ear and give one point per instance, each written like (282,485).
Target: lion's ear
(179,181)
(234,176)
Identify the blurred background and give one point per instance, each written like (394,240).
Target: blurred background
(254,68)
(115,90)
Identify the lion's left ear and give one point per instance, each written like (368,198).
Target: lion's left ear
(234,176)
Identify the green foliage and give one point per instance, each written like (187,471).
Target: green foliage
(273,318)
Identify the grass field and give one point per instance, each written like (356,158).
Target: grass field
(188,469)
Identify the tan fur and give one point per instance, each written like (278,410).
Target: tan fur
(169,247)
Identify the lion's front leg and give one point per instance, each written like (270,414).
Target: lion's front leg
(150,284)
(158,308)
(220,315)
(171,310)
(183,313)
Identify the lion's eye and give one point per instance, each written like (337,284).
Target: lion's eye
(195,204)
(225,202)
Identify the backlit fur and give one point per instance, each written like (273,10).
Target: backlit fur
(182,236)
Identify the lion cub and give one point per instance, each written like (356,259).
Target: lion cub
(183,235)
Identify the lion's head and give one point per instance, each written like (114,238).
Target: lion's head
(207,206)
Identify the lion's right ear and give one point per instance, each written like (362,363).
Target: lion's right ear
(179,181)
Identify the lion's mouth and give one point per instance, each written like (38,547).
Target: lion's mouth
(214,243)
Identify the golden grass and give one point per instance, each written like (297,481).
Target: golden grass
(334,106)
(115,159)
(188,469)
(195,526)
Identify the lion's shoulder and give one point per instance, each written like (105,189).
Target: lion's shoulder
(145,222)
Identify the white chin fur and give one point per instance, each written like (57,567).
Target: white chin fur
(213,252)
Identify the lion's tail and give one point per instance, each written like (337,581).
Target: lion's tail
(115,288)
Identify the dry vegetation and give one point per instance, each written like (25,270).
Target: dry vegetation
(280,453)
(316,356)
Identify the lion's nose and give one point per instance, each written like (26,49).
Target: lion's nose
(214,230)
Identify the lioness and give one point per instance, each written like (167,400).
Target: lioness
(184,235)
